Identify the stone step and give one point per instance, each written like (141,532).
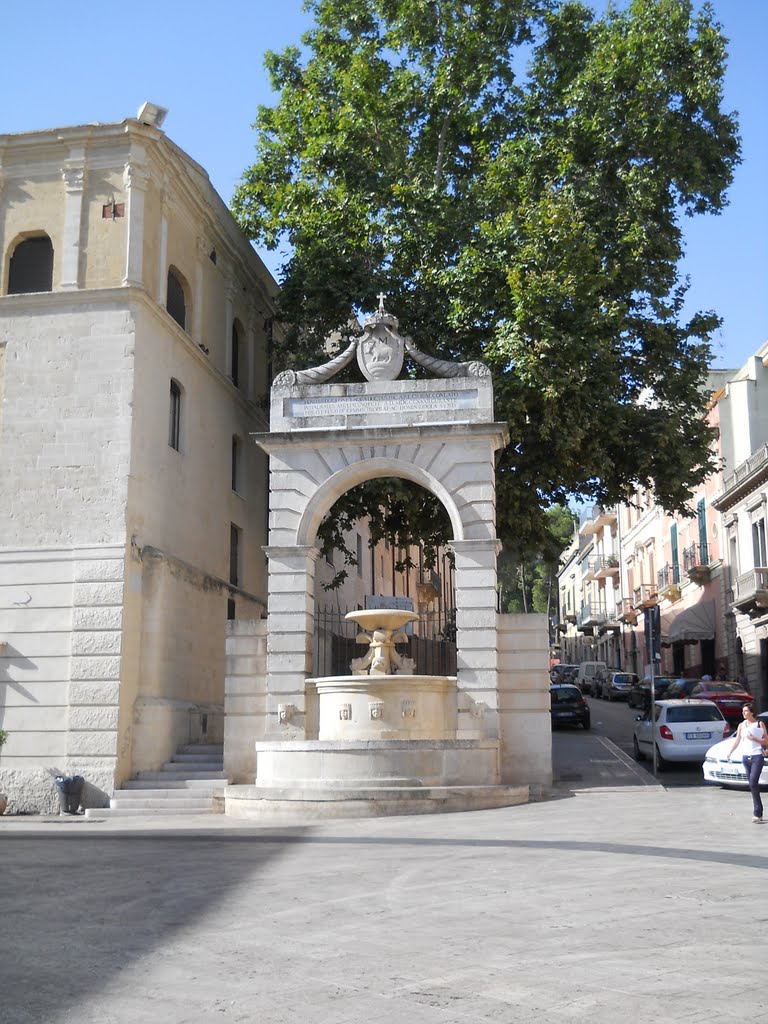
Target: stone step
(195,758)
(154,811)
(192,768)
(135,796)
(216,749)
(180,775)
(145,783)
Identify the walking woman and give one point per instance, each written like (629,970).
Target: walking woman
(751,738)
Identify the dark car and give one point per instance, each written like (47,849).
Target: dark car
(617,686)
(729,697)
(680,689)
(568,706)
(640,691)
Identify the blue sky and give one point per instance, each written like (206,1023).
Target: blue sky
(205,63)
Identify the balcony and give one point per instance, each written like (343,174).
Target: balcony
(590,616)
(606,567)
(627,611)
(750,592)
(594,517)
(668,582)
(646,595)
(696,562)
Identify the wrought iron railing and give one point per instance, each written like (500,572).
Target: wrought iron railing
(695,556)
(431,643)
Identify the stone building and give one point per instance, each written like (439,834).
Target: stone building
(135,323)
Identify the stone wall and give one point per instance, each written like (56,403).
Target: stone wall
(245,701)
(524,717)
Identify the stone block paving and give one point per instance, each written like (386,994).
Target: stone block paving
(616,899)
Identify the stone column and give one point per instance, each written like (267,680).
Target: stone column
(135,179)
(73,173)
(291,626)
(197,326)
(230,291)
(476,648)
(161,290)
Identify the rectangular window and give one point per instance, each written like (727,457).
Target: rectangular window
(701,518)
(235,543)
(758,543)
(231,609)
(236,464)
(174,424)
(359,554)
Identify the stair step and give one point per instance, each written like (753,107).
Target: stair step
(192,769)
(182,776)
(145,783)
(216,749)
(179,758)
(162,804)
(185,795)
(156,811)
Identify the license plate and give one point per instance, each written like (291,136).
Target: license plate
(564,714)
(698,735)
(730,769)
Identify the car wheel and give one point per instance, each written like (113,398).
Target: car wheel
(636,751)
(586,723)
(661,764)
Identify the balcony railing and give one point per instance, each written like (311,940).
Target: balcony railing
(607,565)
(750,590)
(627,611)
(646,595)
(590,615)
(755,461)
(696,561)
(668,582)
(593,517)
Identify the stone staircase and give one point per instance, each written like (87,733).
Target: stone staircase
(192,782)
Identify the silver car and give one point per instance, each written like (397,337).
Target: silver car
(683,730)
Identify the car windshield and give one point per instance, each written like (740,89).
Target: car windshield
(694,714)
(622,677)
(565,694)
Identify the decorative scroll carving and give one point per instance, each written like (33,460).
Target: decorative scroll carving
(316,374)
(443,367)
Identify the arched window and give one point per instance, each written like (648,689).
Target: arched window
(31,266)
(174,416)
(176,301)
(235,354)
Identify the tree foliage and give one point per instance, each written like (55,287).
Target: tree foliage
(512,174)
(528,582)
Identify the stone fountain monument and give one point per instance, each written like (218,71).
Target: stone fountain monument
(384,739)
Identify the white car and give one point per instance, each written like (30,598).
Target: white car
(683,730)
(721,770)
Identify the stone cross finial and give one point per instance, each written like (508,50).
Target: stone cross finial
(381,296)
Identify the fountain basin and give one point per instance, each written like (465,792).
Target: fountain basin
(386,707)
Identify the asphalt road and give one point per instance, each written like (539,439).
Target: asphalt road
(616,720)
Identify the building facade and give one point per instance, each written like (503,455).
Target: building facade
(135,322)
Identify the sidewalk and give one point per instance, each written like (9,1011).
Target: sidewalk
(611,901)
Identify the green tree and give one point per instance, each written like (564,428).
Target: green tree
(512,174)
(528,582)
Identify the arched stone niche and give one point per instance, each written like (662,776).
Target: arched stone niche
(325,439)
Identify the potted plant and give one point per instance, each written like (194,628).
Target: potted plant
(3,797)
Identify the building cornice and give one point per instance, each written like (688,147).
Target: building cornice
(745,479)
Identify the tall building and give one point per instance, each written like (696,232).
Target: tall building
(135,322)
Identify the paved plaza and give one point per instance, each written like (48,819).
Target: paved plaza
(616,900)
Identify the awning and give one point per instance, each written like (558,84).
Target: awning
(696,623)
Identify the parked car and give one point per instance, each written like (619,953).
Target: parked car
(568,705)
(563,673)
(680,689)
(617,686)
(640,691)
(589,672)
(721,770)
(683,730)
(729,697)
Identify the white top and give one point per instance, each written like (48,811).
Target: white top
(751,732)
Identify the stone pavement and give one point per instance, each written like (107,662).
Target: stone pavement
(614,900)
